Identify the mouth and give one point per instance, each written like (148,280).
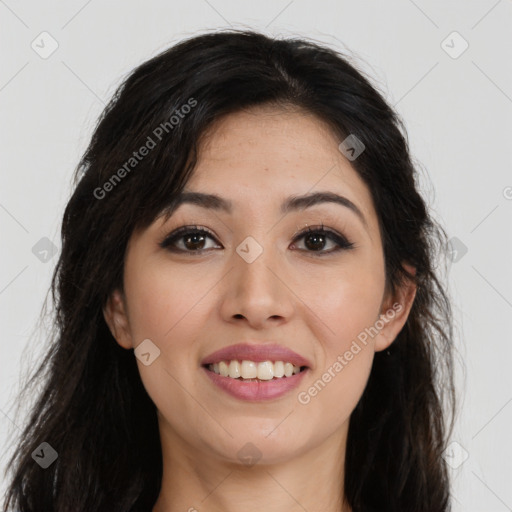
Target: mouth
(255,381)
(253,371)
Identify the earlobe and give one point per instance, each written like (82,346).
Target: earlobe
(116,318)
(395,312)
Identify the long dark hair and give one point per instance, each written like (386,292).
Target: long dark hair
(93,409)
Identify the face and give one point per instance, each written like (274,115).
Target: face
(314,293)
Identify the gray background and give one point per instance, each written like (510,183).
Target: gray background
(457,110)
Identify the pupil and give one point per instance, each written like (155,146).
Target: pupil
(317,238)
(194,245)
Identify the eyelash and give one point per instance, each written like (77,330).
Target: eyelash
(340,240)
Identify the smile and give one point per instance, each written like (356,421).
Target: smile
(255,381)
(251,370)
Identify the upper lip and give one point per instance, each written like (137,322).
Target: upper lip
(256,353)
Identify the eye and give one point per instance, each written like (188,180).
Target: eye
(193,239)
(316,237)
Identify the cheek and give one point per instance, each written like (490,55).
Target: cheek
(165,306)
(336,389)
(349,308)
(347,300)
(169,308)
(347,358)
(162,300)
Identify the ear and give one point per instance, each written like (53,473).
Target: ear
(115,315)
(394,312)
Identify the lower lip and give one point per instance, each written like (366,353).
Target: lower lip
(256,390)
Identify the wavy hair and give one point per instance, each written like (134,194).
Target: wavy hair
(92,407)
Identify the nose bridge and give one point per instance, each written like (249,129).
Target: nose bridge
(253,261)
(256,291)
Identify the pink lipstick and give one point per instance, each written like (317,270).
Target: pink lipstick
(255,372)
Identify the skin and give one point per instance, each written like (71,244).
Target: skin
(191,304)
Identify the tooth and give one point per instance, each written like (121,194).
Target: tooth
(265,370)
(249,370)
(234,369)
(279,369)
(223,368)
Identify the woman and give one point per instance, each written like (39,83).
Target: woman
(246,219)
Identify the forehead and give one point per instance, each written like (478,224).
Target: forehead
(264,154)
(269,135)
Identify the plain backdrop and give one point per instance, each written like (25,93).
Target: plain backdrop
(444,66)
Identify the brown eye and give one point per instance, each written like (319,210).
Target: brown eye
(315,240)
(192,239)
(187,239)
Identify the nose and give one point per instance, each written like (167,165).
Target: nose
(257,292)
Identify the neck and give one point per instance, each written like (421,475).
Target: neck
(199,480)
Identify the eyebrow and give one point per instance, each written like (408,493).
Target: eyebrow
(292,203)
